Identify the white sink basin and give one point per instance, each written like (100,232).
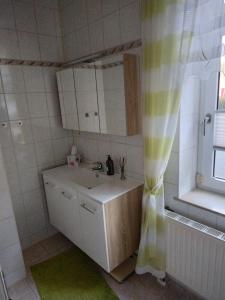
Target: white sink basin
(88,178)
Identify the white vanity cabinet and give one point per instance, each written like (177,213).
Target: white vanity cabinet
(63,207)
(107,231)
(93,230)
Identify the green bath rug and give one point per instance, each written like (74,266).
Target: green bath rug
(71,275)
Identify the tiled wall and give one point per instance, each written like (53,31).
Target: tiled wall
(95,147)
(182,168)
(93,25)
(32,139)
(30,30)
(31,133)
(11,259)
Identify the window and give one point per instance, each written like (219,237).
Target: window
(212,134)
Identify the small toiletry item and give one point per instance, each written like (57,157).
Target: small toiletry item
(71,161)
(74,150)
(110,166)
(122,168)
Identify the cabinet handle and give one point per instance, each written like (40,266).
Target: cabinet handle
(88,209)
(86,115)
(96,114)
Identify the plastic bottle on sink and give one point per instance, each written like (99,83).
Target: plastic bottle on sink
(110,166)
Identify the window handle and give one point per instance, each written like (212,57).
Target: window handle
(207,120)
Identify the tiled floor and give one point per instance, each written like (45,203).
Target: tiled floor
(136,287)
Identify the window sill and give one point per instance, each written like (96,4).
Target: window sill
(206,200)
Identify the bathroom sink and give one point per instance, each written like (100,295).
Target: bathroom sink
(88,179)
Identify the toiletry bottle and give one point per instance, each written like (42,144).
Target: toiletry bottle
(110,166)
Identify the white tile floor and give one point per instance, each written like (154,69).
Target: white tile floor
(136,287)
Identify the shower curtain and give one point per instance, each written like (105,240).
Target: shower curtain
(167,28)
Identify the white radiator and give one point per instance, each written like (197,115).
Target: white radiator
(196,256)
(3,290)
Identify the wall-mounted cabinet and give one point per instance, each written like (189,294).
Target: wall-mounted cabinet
(101,97)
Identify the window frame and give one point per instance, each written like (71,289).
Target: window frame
(206,152)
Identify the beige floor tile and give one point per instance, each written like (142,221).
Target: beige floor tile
(19,290)
(31,296)
(56,244)
(34,255)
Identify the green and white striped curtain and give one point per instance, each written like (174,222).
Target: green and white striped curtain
(167,27)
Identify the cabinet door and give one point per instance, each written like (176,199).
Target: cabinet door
(111,99)
(87,103)
(63,210)
(67,98)
(93,230)
(118,95)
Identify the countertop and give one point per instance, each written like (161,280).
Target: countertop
(104,192)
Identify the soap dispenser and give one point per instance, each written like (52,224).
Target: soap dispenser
(109,166)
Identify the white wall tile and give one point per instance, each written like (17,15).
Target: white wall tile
(56,129)
(68,18)
(61,149)
(135,165)
(10,250)
(34,79)
(69,46)
(37,104)
(44,152)
(40,129)
(17,106)
(126,2)
(187,171)
(172,170)
(48,52)
(25,156)
(48,3)
(6,15)
(109,6)
(112,30)
(9,44)
(8,233)
(3,109)
(6,209)
(80,13)
(27,100)
(25,16)
(50,79)
(12,78)
(21,132)
(46,20)
(29,47)
(5,135)
(82,41)
(94,8)
(11,259)
(96,36)
(33,202)
(29,180)
(170,191)
(130,23)
(53,104)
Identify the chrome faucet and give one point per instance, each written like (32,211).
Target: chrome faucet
(99,166)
